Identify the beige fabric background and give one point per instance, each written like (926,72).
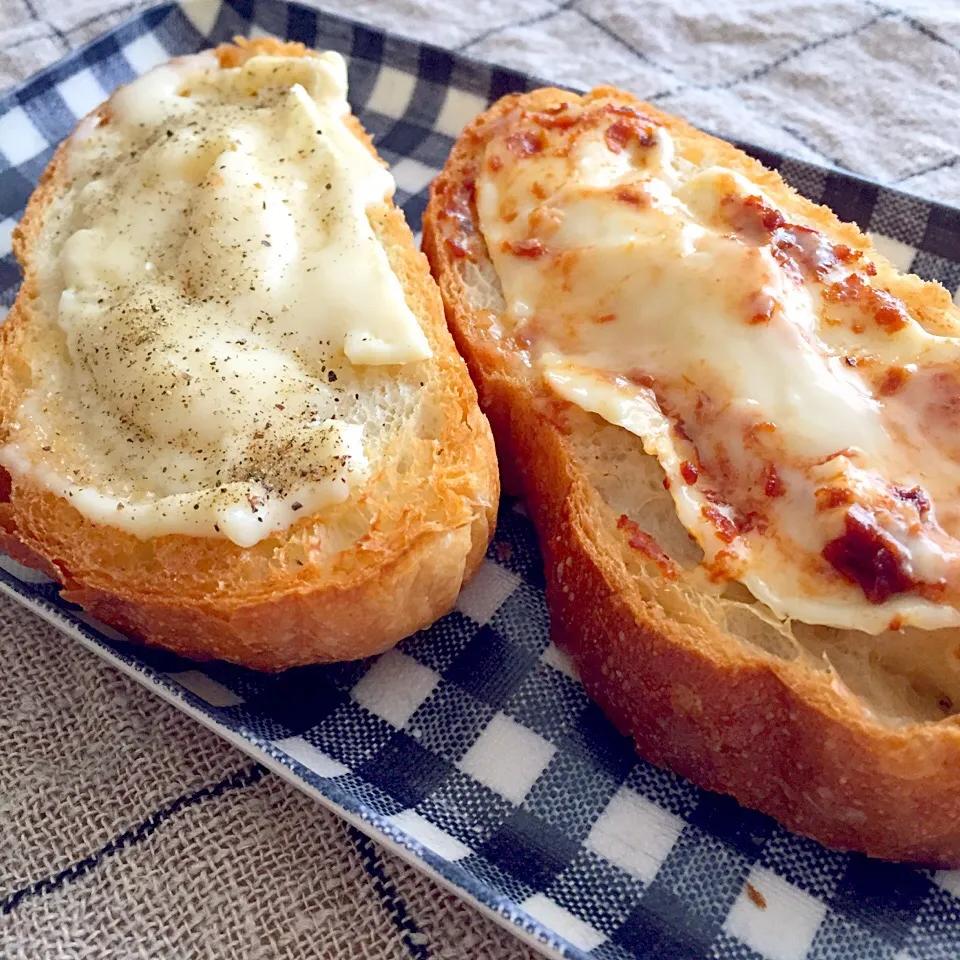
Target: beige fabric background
(258,870)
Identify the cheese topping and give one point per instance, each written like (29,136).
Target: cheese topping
(215,289)
(806,423)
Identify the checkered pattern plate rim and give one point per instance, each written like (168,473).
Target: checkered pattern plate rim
(471,749)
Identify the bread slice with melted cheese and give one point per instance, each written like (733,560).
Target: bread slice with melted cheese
(624,288)
(340,581)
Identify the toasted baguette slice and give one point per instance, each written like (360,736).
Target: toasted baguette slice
(345,583)
(850,739)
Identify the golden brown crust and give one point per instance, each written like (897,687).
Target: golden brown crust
(776,734)
(292,599)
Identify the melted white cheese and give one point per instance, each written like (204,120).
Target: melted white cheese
(655,288)
(213,284)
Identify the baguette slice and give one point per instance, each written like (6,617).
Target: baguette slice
(848,738)
(343,584)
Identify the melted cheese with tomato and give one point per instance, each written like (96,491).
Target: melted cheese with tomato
(806,423)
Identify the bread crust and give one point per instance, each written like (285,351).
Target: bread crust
(778,735)
(289,600)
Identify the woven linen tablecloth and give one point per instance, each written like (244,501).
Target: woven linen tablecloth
(126,829)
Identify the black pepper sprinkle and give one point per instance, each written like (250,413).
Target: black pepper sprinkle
(296,506)
(331,377)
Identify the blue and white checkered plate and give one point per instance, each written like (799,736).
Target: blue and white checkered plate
(472,749)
